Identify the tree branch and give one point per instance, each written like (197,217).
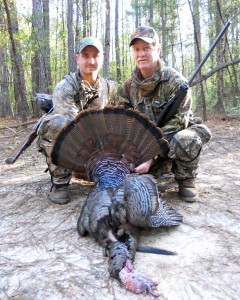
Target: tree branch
(214,70)
(17,125)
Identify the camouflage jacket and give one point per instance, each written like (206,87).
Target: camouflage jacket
(151,95)
(72,94)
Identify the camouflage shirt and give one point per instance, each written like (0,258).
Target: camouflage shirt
(73,94)
(151,95)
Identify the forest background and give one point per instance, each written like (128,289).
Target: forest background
(38,40)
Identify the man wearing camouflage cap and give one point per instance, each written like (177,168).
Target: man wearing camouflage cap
(79,90)
(150,87)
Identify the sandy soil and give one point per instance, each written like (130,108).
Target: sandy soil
(42,256)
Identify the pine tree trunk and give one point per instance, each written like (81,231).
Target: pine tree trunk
(107,42)
(200,96)
(19,81)
(118,63)
(71,57)
(77,31)
(46,47)
(5,104)
(219,106)
(164,31)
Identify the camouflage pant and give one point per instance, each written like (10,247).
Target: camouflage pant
(184,152)
(47,133)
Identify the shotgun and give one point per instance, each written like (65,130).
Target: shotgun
(46,105)
(174,103)
(24,145)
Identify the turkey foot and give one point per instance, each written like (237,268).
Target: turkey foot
(136,283)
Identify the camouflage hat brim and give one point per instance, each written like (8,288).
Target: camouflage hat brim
(98,48)
(145,33)
(145,39)
(90,41)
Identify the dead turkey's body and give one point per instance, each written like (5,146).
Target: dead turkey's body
(105,146)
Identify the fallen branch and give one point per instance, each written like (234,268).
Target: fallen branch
(7,136)
(235,116)
(7,127)
(18,125)
(13,135)
(214,70)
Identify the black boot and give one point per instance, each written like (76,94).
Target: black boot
(59,194)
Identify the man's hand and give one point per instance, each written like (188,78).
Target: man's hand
(144,168)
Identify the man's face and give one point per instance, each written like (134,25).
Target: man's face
(146,56)
(90,61)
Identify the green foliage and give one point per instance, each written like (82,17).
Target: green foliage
(154,13)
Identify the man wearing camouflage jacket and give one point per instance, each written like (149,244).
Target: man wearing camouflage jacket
(77,91)
(150,87)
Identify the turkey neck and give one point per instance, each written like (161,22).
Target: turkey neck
(108,171)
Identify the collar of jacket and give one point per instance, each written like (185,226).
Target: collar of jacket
(86,86)
(148,84)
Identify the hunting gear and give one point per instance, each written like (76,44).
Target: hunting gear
(162,93)
(79,90)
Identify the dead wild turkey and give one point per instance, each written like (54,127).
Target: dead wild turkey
(105,146)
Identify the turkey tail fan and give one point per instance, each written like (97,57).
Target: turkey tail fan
(113,118)
(124,134)
(76,142)
(139,130)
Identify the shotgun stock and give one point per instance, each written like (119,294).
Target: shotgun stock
(44,101)
(24,145)
(172,106)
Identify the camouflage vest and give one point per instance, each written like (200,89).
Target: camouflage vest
(153,102)
(86,95)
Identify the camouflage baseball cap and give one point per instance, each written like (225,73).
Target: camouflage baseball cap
(90,41)
(145,33)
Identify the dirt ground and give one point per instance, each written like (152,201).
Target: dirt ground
(42,256)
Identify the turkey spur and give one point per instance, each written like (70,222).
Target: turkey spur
(105,146)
